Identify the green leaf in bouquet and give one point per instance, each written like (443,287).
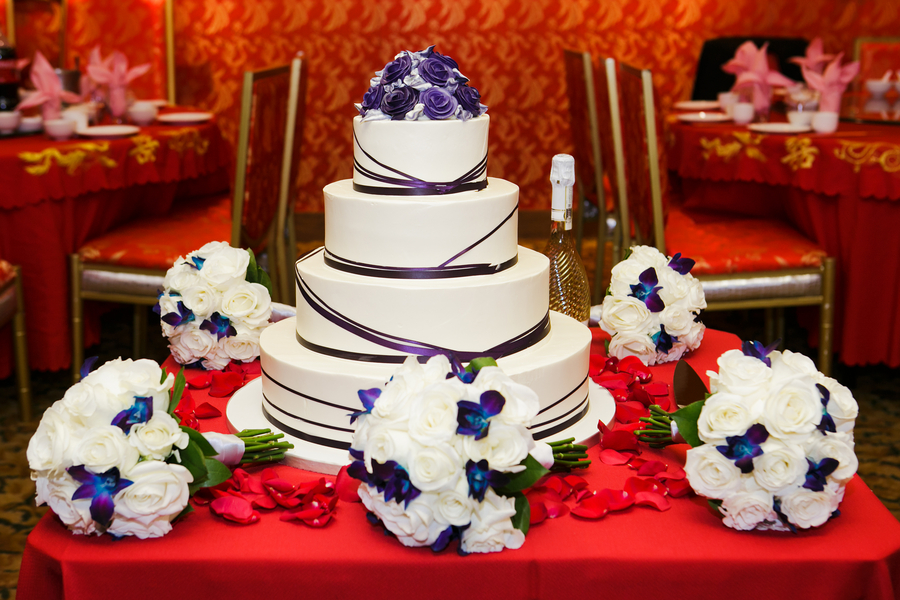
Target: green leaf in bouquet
(165,374)
(522,519)
(256,274)
(476,364)
(202,443)
(686,421)
(523,479)
(185,512)
(216,473)
(715,506)
(177,391)
(193,460)
(687,385)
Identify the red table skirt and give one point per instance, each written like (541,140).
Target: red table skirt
(640,552)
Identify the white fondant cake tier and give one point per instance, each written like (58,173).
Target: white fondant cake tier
(310,395)
(371,232)
(403,154)
(340,312)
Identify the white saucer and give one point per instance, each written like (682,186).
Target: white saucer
(31,124)
(696,105)
(157,102)
(778,128)
(245,411)
(704,117)
(109,131)
(184,118)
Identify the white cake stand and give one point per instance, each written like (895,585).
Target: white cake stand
(245,411)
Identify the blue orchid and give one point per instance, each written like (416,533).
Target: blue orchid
(827,422)
(480,476)
(647,291)
(817,472)
(368,398)
(397,485)
(139,412)
(182,315)
(776,506)
(682,265)
(663,340)
(757,350)
(459,371)
(195,262)
(87,365)
(219,326)
(101,489)
(473,418)
(742,449)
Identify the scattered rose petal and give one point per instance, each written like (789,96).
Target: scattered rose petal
(583,494)
(675,472)
(591,507)
(614,457)
(619,440)
(651,468)
(263,501)
(657,501)
(575,482)
(197,379)
(347,487)
(224,383)
(678,487)
(634,366)
(629,412)
(643,397)
(207,411)
(538,512)
(657,388)
(234,509)
(616,499)
(635,485)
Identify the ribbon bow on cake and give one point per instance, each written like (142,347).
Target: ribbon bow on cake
(115,74)
(832,82)
(751,66)
(48,90)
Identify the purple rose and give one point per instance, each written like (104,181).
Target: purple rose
(397,103)
(397,70)
(435,72)
(438,104)
(445,59)
(372,98)
(469,99)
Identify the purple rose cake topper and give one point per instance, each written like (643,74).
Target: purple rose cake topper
(418,86)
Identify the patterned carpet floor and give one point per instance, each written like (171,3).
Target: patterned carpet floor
(876,388)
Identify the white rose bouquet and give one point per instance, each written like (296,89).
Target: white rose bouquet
(652,307)
(444,453)
(111,457)
(773,442)
(216,302)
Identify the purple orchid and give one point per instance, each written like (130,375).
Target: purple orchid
(647,291)
(195,262)
(139,412)
(474,418)
(397,485)
(827,422)
(368,398)
(742,449)
(663,340)
(682,265)
(101,489)
(757,350)
(480,476)
(459,371)
(817,473)
(182,315)
(87,365)
(219,326)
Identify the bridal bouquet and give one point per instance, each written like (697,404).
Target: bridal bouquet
(109,457)
(652,307)
(444,453)
(419,86)
(216,302)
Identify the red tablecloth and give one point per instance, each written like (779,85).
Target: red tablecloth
(54,196)
(841,190)
(684,552)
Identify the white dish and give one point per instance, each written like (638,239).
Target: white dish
(29,124)
(704,117)
(778,128)
(697,105)
(184,117)
(157,102)
(109,131)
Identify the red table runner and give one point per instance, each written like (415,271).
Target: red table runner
(640,552)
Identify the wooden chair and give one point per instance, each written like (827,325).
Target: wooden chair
(12,311)
(128,264)
(742,262)
(877,55)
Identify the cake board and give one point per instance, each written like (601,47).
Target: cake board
(245,411)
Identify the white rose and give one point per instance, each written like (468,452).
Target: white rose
(56,492)
(159,492)
(624,275)
(838,446)
(724,415)
(181,276)
(243,347)
(674,286)
(677,320)
(675,353)
(841,405)
(649,256)
(129,378)
(249,303)
(805,508)
(90,405)
(625,314)
(543,453)
(210,248)
(521,404)
(788,365)
(105,447)
(436,369)
(51,445)
(710,473)
(491,529)
(386,444)
(225,267)
(202,299)
(189,343)
(745,510)
(780,467)
(792,411)
(504,447)
(696,298)
(412,527)
(218,359)
(394,402)
(434,469)
(742,375)
(155,438)
(167,304)
(633,344)
(454,506)
(694,336)
(432,413)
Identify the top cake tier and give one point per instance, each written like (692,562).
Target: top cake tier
(412,158)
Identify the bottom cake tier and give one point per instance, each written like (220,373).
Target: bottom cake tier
(309,396)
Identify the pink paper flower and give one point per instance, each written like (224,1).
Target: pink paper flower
(832,82)
(815,59)
(48,94)
(116,75)
(751,66)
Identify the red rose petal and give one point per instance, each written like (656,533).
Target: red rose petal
(630,427)
(678,487)
(225,383)
(643,397)
(575,482)
(207,411)
(301,514)
(657,501)
(197,379)
(634,366)
(637,463)
(675,472)
(651,468)
(616,499)
(657,388)
(319,521)
(234,509)
(347,487)
(629,412)
(592,507)
(614,457)
(583,494)
(538,511)
(620,395)
(252,370)
(635,485)
(264,501)
(619,440)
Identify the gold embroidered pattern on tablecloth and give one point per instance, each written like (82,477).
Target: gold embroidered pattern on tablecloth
(187,138)
(71,158)
(870,153)
(144,150)
(801,154)
(743,141)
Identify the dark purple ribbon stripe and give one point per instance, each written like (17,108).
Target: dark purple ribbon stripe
(407,185)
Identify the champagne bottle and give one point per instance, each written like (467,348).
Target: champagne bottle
(570,293)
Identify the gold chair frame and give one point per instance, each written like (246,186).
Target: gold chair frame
(20,344)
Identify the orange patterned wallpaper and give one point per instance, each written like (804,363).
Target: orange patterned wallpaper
(511,50)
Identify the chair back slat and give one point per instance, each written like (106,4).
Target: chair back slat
(583,121)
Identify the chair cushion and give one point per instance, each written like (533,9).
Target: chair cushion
(7,273)
(158,242)
(728,244)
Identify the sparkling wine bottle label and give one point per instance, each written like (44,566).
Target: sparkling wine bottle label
(562,178)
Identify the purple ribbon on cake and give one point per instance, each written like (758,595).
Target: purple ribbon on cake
(407,185)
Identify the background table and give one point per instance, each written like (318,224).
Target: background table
(54,196)
(639,552)
(841,190)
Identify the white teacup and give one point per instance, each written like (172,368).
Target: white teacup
(59,129)
(727,100)
(9,121)
(742,112)
(142,113)
(877,87)
(825,122)
(800,117)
